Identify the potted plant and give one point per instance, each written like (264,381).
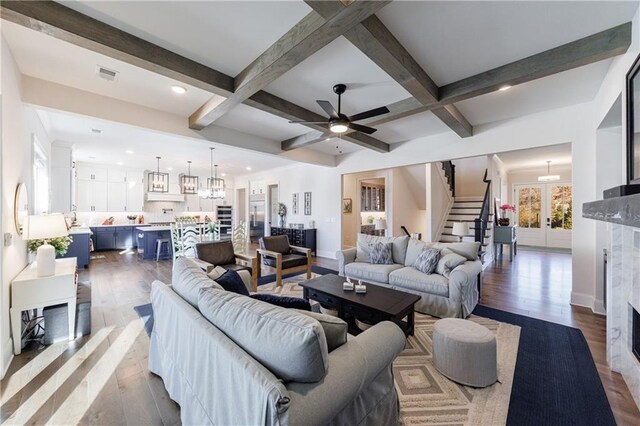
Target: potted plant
(132,218)
(282,212)
(504,220)
(60,244)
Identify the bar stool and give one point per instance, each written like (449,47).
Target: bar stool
(159,243)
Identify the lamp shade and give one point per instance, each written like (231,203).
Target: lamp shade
(460,229)
(380,224)
(42,227)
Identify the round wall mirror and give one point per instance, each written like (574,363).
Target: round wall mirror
(21,209)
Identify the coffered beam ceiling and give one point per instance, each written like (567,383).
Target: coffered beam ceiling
(66,24)
(596,47)
(308,36)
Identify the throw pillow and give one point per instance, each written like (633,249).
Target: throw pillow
(335,329)
(231,281)
(216,272)
(283,301)
(448,262)
(427,260)
(381,254)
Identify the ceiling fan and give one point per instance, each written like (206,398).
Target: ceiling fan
(339,122)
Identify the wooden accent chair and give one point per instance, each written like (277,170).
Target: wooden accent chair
(220,253)
(277,253)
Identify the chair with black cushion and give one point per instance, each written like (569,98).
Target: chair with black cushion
(277,253)
(220,253)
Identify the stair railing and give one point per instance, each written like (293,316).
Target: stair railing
(480,223)
(406,231)
(450,173)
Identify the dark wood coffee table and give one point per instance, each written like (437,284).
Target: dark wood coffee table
(376,305)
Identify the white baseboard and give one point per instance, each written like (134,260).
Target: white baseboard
(581,299)
(7,356)
(326,254)
(599,308)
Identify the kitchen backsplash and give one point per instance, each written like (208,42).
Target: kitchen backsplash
(96,218)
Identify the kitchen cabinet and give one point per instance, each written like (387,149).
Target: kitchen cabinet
(62,178)
(91,196)
(105,239)
(193,203)
(117,196)
(116,175)
(258,187)
(115,237)
(79,247)
(135,191)
(87,171)
(147,239)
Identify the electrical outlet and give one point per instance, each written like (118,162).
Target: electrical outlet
(8,238)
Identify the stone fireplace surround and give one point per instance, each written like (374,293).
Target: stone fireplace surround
(623,282)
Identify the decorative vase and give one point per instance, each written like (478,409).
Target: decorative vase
(503,221)
(281,221)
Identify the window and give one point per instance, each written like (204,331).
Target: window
(561,207)
(529,207)
(40,179)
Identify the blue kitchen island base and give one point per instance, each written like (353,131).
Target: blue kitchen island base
(148,236)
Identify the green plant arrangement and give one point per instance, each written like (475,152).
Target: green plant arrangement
(282,209)
(60,244)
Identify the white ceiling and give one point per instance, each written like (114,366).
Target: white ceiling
(451,40)
(111,145)
(559,155)
(224,35)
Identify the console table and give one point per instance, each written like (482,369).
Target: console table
(505,235)
(298,237)
(28,291)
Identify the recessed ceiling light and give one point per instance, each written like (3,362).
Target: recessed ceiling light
(97,131)
(129,151)
(503,88)
(179,89)
(248,168)
(223,174)
(92,157)
(120,163)
(169,168)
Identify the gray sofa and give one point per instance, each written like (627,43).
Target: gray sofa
(231,359)
(449,293)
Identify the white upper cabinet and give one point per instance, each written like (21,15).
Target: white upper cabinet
(113,189)
(117,175)
(117,196)
(135,191)
(258,187)
(62,178)
(89,171)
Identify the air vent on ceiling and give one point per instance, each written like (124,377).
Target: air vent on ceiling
(98,131)
(106,73)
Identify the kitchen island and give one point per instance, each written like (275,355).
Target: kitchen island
(147,236)
(80,247)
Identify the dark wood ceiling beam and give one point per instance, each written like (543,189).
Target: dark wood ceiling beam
(308,36)
(66,24)
(375,40)
(594,48)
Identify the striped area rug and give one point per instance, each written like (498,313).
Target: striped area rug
(426,396)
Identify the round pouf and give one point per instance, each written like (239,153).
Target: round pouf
(465,352)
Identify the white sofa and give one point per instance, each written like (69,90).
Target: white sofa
(450,294)
(228,359)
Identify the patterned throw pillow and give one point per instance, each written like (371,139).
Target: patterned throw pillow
(427,260)
(381,254)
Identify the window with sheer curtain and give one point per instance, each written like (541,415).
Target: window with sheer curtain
(40,178)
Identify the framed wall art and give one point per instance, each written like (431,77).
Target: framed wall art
(307,203)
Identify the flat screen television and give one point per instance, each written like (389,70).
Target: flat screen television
(633,123)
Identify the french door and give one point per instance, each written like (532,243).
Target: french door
(544,214)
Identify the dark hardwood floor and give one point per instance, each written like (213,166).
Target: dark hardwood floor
(103,379)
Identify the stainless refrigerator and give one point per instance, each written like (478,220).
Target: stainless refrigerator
(256,217)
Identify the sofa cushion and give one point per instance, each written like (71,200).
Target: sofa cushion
(288,261)
(467,249)
(188,279)
(370,272)
(335,329)
(414,248)
(427,261)
(216,272)
(231,281)
(290,344)
(448,262)
(381,254)
(365,242)
(412,279)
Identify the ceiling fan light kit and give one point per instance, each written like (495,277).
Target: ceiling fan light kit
(338,122)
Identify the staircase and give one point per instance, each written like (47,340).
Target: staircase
(465,210)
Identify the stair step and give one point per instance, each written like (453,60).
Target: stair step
(468,235)
(489,228)
(480,200)
(464,220)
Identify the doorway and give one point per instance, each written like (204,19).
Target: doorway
(273,199)
(241,197)
(544,214)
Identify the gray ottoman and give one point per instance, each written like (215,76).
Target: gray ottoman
(465,352)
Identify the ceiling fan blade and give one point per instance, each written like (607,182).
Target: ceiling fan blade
(307,122)
(361,128)
(368,114)
(328,108)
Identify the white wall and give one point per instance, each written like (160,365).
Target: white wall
(469,174)
(408,203)
(19,124)
(326,199)
(438,200)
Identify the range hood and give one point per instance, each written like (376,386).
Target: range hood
(166,197)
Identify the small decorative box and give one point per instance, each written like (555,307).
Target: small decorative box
(347,285)
(361,288)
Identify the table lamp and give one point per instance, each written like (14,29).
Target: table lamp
(460,229)
(380,225)
(44,227)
